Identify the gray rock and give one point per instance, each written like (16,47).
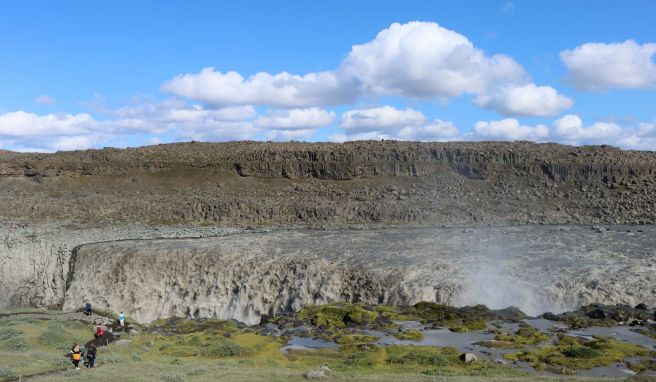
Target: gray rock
(468,357)
(320,373)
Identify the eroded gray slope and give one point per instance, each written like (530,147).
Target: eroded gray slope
(243,276)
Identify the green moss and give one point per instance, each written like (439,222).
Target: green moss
(525,335)
(351,341)
(643,365)
(337,315)
(571,353)
(410,334)
(224,348)
(422,355)
(359,359)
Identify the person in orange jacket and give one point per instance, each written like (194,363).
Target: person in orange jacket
(76,355)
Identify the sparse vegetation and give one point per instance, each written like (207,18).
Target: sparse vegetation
(410,334)
(571,353)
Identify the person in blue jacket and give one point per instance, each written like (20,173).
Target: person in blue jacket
(121,319)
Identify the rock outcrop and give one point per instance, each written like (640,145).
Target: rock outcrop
(332,185)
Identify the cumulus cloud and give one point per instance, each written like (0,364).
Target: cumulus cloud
(570,129)
(387,122)
(45,100)
(599,66)
(310,118)
(289,135)
(21,124)
(416,60)
(381,118)
(510,129)
(423,59)
(280,90)
(525,100)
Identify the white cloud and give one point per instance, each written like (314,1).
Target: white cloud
(436,130)
(374,135)
(21,124)
(289,135)
(570,129)
(280,90)
(599,66)
(416,60)
(387,122)
(45,100)
(510,129)
(80,142)
(525,100)
(295,119)
(381,118)
(647,130)
(423,59)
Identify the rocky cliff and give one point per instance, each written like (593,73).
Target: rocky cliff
(58,210)
(329,185)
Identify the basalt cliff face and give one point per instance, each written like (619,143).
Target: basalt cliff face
(58,210)
(321,184)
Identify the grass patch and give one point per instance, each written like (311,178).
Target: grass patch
(573,353)
(410,334)
(525,335)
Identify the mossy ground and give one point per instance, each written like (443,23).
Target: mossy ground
(410,334)
(571,353)
(524,336)
(184,350)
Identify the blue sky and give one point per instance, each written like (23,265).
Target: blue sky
(76,75)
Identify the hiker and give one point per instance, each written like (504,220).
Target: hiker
(87,308)
(121,319)
(76,355)
(99,331)
(91,355)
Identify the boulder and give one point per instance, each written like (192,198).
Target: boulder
(322,372)
(468,357)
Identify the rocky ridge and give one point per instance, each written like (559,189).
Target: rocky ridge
(334,185)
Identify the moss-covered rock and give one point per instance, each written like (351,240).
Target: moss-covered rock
(574,353)
(410,334)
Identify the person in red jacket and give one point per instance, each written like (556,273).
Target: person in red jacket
(99,331)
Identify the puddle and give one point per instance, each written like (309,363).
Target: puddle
(544,325)
(303,343)
(622,333)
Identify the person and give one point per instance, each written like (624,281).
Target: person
(76,355)
(99,331)
(91,355)
(87,308)
(121,319)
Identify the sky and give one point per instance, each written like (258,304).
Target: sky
(79,74)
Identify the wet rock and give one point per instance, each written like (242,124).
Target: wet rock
(551,316)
